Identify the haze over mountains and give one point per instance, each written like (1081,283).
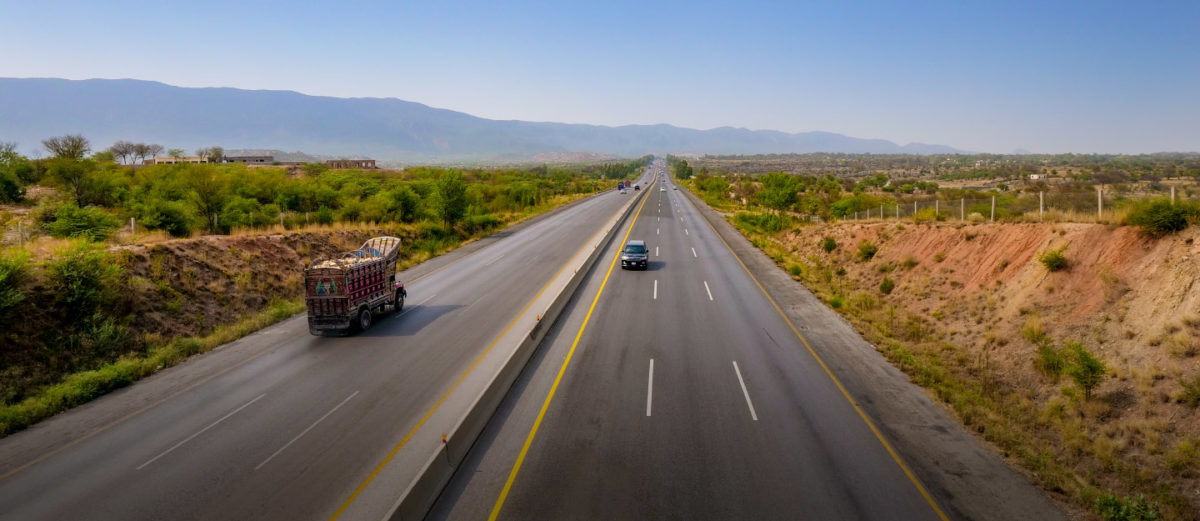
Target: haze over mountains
(386,129)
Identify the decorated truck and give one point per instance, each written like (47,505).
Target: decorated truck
(345,293)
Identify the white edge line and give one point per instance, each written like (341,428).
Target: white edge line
(305,431)
(650,388)
(706,290)
(201,431)
(656,251)
(745,393)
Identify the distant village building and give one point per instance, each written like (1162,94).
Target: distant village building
(1035,177)
(253,160)
(171,160)
(350,163)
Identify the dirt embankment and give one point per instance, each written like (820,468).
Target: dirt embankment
(985,297)
(186,287)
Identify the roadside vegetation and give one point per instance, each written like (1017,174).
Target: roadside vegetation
(90,302)
(1107,428)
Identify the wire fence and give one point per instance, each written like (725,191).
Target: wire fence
(1079,206)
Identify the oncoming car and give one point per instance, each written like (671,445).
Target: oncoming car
(635,255)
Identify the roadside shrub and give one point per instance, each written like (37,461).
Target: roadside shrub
(835,302)
(481,223)
(866,250)
(89,223)
(324,215)
(764,222)
(1054,260)
(886,286)
(1161,217)
(1049,361)
(1086,369)
(1191,391)
(11,190)
(975,218)
(794,270)
(1113,508)
(828,245)
(84,280)
(14,270)
(939,257)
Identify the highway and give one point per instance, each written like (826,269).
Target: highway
(284,425)
(682,392)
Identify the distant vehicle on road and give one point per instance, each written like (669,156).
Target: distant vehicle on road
(346,292)
(662,189)
(637,187)
(635,255)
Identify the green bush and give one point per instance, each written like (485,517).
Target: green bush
(835,302)
(1054,260)
(1161,217)
(1191,391)
(886,286)
(89,223)
(11,190)
(828,244)
(1086,369)
(84,280)
(481,223)
(1113,508)
(761,222)
(795,270)
(867,250)
(14,270)
(1049,361)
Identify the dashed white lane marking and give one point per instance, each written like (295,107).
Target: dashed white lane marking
(706,290)
(201,431)
(694,253)
(305,431)
(745,393)
(650,388)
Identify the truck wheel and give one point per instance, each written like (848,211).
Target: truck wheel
(364,319)
(398,303)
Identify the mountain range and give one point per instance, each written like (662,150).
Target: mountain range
(387,129)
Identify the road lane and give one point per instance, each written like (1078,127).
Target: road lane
(399,368)
(771,439)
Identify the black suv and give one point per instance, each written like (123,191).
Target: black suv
(635,255)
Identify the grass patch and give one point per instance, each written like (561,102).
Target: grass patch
(81,387)
(1054,260)
(867,250)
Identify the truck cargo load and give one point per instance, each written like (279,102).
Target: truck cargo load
(346,292)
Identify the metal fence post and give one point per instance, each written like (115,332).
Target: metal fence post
(1172,195)
(1099,202)
(897,210)
(914,208)
(1041,204)
(881,217)
(962,209)
(937,208)
(993,208)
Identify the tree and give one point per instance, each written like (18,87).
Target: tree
(208,195)
(14,171)
(779,191)
(71,146)
(452,197)
(125,151)
(1086,369)
(212,154)
(175,153)
(682,170)
(75,176)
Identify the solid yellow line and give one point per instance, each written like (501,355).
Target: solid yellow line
(878,435)
(403,442)
(512,476)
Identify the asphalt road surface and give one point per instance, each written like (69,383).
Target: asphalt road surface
(681,392)
(284,425)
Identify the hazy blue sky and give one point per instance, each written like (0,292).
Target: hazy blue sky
(988,76)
